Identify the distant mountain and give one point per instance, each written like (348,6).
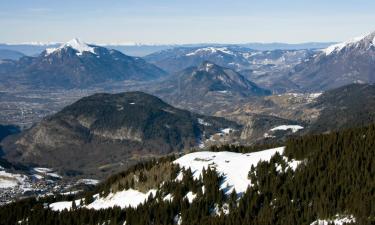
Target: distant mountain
(77,65)
(177,59)
(10,54)
(340,64)
(266,68)
(106,132)
(205,87)
(234,57)
(139,49)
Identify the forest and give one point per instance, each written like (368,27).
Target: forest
(336,176)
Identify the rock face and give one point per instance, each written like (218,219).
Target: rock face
(77,65)
(106,132)
(338,65)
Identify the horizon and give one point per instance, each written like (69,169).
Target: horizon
(178,22)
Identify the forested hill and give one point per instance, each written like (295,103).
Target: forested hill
(334,181)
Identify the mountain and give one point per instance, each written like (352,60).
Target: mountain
(206,85)
(234,57)
(266,68)
(76,64)
(345,107)
(340,64)
(10,54)
(105,132)
(176,59)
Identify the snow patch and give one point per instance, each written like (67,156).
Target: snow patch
(294,128)
(338,220)
(10,180)
(202,122)
(123,199)
(233,166)
(190,196)
(88,181)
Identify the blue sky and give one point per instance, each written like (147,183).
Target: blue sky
(187,21)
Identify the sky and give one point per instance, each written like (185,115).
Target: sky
(185,21)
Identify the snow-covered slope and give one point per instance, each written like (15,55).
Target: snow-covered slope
(78,45)
(338,65)
(10,180)
(233,166)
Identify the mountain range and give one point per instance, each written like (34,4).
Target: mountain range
(76,64)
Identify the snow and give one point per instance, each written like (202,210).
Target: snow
(339,220)
(54,175)
(294,128)
(210,50)
(123,199)
(190,196)
(59,206)
(168,198)
(10,180)
(75,44)
(227,130)
(233,166)
(315,95)
(88,181)
(42,170)
(202,122)
(338,47)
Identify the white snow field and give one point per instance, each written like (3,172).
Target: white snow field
(294,128)
(123,199)
(233,166)
(10,180)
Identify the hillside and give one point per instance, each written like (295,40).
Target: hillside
(349,106)
(291,185)
(338,65)
(102,133)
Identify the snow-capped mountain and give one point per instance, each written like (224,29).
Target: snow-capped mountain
(75,44)
(76,64)
(237,58)
(348,62)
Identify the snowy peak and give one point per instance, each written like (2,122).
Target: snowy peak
(366,41)
(76,44)
(210,50)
